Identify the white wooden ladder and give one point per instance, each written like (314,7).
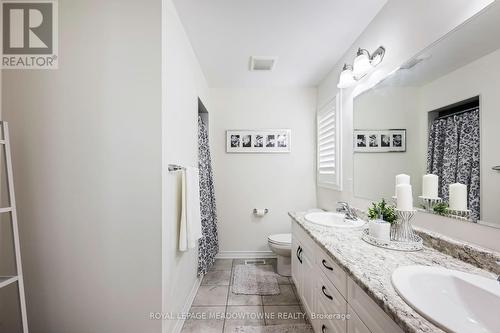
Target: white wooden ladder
(7,280)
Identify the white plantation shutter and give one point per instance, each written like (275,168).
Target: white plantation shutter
(328,146)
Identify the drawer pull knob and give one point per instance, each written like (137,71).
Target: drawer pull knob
(326,266)
(299,250)
(323,329)
(323,289)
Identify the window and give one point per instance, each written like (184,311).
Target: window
(328,146)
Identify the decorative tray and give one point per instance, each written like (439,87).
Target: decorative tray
(415,245)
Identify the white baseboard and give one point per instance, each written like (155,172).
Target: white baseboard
(187,305)
(245,254)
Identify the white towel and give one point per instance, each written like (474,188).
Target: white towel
(190,229)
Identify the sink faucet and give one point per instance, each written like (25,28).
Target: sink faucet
(350,214)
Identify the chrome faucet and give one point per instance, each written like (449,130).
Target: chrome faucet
(350,214)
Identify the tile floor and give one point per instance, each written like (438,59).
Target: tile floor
(214,298)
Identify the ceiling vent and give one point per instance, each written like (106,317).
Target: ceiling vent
(262,63)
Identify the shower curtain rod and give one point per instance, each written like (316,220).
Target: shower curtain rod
(459,112)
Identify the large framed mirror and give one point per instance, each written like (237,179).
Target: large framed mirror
(446,99)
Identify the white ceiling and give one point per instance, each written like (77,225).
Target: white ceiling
(308,37)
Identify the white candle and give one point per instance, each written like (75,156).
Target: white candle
(402,179)
(430,186)
(458,196)
(404,197)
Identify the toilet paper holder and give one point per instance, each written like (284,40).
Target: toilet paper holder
(255,211)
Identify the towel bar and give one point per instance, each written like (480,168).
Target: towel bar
(175,167)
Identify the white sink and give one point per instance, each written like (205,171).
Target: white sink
(453,300)
(330,219)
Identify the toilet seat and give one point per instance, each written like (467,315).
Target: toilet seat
(280,239)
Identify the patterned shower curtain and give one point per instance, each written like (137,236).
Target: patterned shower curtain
(208,245)
(453,155)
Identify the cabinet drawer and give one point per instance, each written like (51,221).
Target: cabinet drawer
(329,322)
(329,296)
(368,311)
(354,324)
(332,271)
(331,307)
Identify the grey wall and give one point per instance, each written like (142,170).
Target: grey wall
(86,142)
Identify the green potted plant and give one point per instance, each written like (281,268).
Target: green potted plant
(382,210)
(441,208)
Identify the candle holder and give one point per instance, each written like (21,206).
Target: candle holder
(459,214)
(429,203)
(401,230)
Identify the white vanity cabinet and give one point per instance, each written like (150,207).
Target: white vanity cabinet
(328,293)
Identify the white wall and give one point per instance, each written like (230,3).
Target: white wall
(280,182)
(404,28)
(86,142)
(185,82)
(477,78)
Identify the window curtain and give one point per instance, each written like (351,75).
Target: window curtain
(453,155)
(208,245)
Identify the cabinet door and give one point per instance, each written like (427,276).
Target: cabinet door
(354,324)
(308,278)
(296,265)
(368,311)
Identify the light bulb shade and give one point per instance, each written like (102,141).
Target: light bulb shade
(362,64)
(346,79)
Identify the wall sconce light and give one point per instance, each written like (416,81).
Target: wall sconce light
(346,79)
(363,64)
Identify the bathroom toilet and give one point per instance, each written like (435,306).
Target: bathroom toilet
(281,244)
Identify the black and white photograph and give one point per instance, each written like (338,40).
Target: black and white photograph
(379,141)
(235,141)
(282,141)
(397,140)
(361,140)
(258,141)
(373,140)
(271,141)
(246,141)
(385,140)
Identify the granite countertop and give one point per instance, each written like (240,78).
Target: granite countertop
(371,268)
